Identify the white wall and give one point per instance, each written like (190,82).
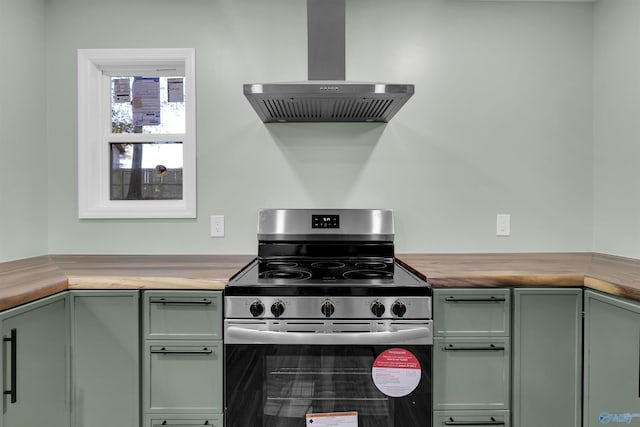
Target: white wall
(501,121)
(23,148)
(617,128)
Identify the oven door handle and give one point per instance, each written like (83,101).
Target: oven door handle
(240,335)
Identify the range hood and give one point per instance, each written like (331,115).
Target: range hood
(327,96)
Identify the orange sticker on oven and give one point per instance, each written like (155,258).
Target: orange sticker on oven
(396,372)
(333,419)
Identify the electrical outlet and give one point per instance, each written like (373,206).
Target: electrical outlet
(217,225)
(503,225)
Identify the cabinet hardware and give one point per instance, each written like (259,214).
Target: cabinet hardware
(181,301)
(165,423)
(181,350)
(475,299)
(490,347)
(492,422)
(13,339)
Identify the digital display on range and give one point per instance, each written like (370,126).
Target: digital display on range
(325,221)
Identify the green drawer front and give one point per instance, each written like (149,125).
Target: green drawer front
(183,376)
(192,315)
(471,312)
(175,420)
(471,373)
(470,418)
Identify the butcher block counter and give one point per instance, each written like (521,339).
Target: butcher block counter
(30,279)
(150,271)
(610,274)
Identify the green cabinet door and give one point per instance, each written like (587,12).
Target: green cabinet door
(188,315)
(547,357)
(612,361)
(105,359)
(471,373)
(471,312)
(36,364)
(183,376)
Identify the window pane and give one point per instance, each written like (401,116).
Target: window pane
(147,104)
(146,171)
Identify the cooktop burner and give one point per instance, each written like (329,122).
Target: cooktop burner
(285,274)
(367,274)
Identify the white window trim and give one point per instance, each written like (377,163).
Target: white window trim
(94,66)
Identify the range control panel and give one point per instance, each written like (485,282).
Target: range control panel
(325,221)
(247,307)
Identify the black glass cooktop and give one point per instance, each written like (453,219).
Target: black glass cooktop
(326,269)
(379,276)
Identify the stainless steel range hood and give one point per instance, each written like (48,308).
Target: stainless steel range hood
(327,96)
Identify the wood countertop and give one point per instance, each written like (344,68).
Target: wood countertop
(606,273)
(492,270)
(150,271)
(614,275)
(30,279)
(34,278)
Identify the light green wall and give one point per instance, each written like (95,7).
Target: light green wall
(23,148)
(617,128)
(501,121)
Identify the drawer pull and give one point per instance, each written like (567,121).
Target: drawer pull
(13,392)
(492,422)
(490,347)
(165,423)
(181,350)
(475,299)
(181,301)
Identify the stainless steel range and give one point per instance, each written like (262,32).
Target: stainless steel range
(325,326)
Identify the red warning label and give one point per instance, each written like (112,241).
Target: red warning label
(396,372)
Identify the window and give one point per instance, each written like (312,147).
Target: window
(136,133)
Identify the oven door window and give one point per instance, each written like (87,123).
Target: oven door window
(276,386)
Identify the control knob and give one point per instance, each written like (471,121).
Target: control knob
(327,308)
(398,309)
(377,308)
(256,308)
(277,308)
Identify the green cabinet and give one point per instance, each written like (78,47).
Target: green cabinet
(471,356)
(74,360)
(612,361)
(190,315)
(547,357)
(471,312)
(105,358)
(182,375)
(471,373)
(36,364)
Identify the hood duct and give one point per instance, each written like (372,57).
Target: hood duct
(327,96)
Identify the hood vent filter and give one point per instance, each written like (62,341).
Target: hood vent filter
(307,110)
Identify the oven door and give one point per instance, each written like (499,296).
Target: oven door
(293,379)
